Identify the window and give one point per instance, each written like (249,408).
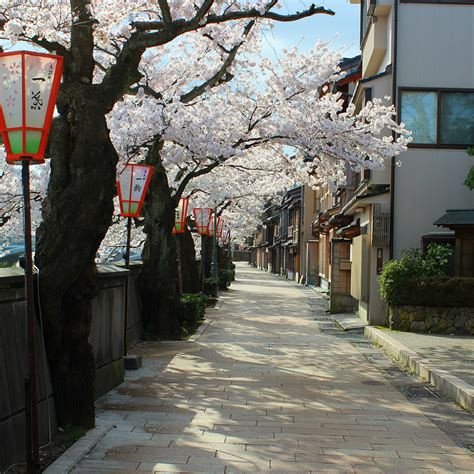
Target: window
(368,95)
(457,118)
(439,118)
(419,112)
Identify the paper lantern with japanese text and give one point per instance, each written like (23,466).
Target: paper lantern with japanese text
(181,214)
(211,226)
(132,186)
(220,227)
(225,239)
(202,217)
(29,87)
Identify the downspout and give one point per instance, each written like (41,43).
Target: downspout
(394,134)
(302,237)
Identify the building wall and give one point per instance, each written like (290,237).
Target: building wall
(308,262)
(429,181)
(436,45)
(341,300)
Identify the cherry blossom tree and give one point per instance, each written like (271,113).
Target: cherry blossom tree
(239,126)
(104,44)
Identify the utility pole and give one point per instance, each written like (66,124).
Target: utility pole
(214,265)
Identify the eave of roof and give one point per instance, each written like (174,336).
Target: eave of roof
(456,217)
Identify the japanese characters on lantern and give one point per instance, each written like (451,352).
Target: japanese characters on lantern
(132,186)
(29,87)
(203,218)
(181,214)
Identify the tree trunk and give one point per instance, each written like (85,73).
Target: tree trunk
(76,215)
(207,242)
(158,278)
(191,281)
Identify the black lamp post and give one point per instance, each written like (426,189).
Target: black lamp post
(29,88)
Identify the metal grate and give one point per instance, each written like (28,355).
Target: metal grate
(381,225)
(418,391)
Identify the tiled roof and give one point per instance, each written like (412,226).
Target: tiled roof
(456,217)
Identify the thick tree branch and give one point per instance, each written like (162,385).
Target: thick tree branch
(165,11)
(194,174)
(222,75)
(82,41)
(124,73)
(144,26)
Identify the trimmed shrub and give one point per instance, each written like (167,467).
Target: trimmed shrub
(441,292)
(210,286)
(413,265)
(192,309)
(225,278)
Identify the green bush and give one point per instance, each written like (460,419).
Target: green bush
(413,265)
(210,286)
(437,291)
(225,277)
(192,309)
(469,181)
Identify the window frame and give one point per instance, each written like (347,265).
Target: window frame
(439,91)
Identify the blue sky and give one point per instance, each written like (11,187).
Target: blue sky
(342,29)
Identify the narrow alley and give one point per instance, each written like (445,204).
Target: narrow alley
(267,386)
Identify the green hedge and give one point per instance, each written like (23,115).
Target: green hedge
(413,265)
(210,286)
(225,278)
(192,309)
(436,292)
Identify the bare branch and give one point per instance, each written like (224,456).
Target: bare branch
(222,75)
(196,23)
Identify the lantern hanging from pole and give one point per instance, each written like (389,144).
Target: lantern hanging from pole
(132,186)
(225,236)
(211,226)
(220,227)
(203,217)
(29,87)
(181,214)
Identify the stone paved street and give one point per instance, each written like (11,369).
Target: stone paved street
(265,388)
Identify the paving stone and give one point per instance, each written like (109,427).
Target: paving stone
(265,388)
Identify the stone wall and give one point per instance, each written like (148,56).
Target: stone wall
(432,320)
(241,256)
(107,333)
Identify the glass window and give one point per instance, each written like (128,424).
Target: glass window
(419,113)
(457,118)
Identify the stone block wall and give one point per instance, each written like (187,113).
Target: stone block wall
(432,320)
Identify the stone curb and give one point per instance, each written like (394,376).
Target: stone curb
(81,448)
(349,324)
(449,385)
(200,331)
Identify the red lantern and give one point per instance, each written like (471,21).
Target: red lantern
(181,216)
(211,226)
(30,85)
(225,236)
(203,217)
(220,227)
(132,187)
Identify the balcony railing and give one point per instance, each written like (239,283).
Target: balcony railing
(296,235)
